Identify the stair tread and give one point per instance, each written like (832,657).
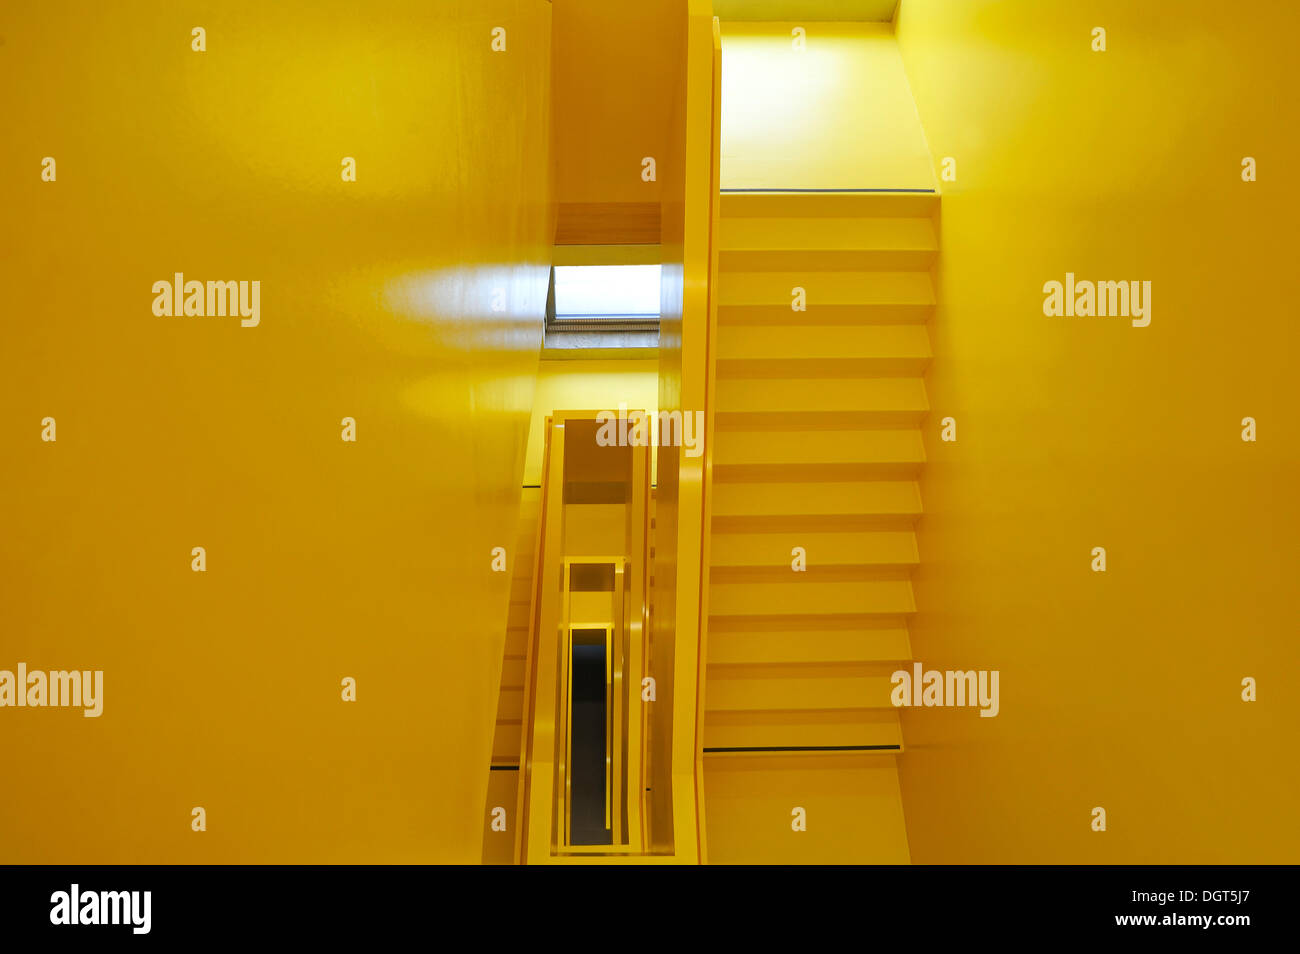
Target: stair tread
(754,501)
(791,644)
(789,233)
(776,687)
(830,288)
(822,548)
(750,395)
(812,597)
(798,729)
(748,243)
(771,368)
(824,260)
(506,741)
(820,313)
(882,445)
(791,342)
(828,204)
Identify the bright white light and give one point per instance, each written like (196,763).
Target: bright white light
(606,291)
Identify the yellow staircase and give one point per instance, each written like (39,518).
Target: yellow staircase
(817,445)
(503,774)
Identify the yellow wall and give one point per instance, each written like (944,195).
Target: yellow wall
(615,66)
(834,114)
(325,559)
(1118,689)
(580,384)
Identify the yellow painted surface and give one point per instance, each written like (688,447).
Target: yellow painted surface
(834,114)
(805,9)
(849,803)
(591,384)
(561,385)
(325,559)
(816,453)
(606,255)
(581,522)
(615,68)
(502,794)
(1119,689)
(687,200)
(503,777)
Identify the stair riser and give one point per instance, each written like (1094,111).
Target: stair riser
(795,342)
(821,314)
(865,549)
(884,597)
(724,729)
(824,288)
(826,260)
(828,205)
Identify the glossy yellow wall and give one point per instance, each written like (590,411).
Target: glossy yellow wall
(1121,689)
(325,559)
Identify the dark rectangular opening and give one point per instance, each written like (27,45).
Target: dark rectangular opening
(587,733)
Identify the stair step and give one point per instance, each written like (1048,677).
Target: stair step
(512,673)
(510,706)
(822,313)
(506,742)
(770,368)
(849,639)
(864,420)
(803,343)
(847,505)
(866,548)
(811,597)
(815,260)
(521,589)
(819,205)
(825,288)
(842,233)
(818,473)
(826,244)
(737,396)
(786,729)
(767,688)
(809,455)
(517,638)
